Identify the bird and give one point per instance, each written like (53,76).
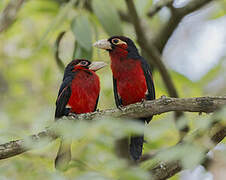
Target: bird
(78,93)
(132,81)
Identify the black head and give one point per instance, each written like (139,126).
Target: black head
(76,63)
(82,64)
(120,44)
(117,41)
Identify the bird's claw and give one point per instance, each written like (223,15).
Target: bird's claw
(143,103)
(120,108)
(73,115)
(163,165)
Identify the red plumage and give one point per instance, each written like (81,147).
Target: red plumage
(79,93)
(129,75)
(85,88)
(132,80)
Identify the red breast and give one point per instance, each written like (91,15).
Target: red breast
(85,89)
(131,83)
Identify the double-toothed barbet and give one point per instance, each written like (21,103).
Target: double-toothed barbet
(79,93)
(132,80)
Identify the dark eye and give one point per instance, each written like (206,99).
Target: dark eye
(84,63)
(115,41)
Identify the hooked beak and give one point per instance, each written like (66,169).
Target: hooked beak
(95,66)
(103,44)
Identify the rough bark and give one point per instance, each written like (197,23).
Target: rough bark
(16,147)
(160,171)
(145,109)
(166,170)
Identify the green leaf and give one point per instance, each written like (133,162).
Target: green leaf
(220,12)
(108,17)
(58,20)
(82,53)
(141,6)
(83,33)
(93,176)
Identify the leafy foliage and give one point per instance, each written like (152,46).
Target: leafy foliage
(108,17)
(29,79)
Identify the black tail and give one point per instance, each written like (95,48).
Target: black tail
(136,142)
(136,147)
(64,155)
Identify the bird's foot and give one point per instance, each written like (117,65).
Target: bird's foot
(120,108)
(73,115)
(143,103)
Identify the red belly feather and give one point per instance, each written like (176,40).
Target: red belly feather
(85,91)
(131,83)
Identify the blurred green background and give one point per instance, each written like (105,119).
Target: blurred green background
(30,78)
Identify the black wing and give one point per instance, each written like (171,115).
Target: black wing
(118,100)
(96,103)
(63,97)
(150,84)
(149,81)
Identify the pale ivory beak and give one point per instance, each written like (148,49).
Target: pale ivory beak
(95,66)
(103,44)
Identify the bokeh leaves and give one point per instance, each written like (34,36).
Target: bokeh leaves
(108,17)
(82,31)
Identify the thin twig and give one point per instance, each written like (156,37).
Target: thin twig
(168,169)
(59,62)
(9,14)
(177,14)
(150,49)
(158,6)
(153,54)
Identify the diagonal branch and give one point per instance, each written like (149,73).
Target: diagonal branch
(16,147)
(166,170)
(8,16)
(59,61)
(158,6)
(193,6)
(145,109)
(177,14)
(153,55)
(150,49)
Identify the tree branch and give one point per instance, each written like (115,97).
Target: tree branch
(160,171)
(177,14)
(150,49)
(193,6)
(166,170)
(158,6)
(59,62)
(8,16)
(14,148)
(145,109)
